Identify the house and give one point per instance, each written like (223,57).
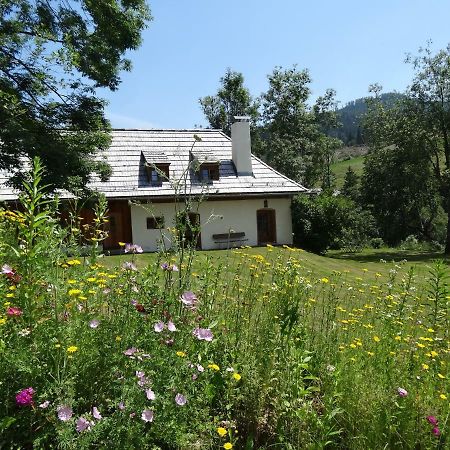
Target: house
(233,197)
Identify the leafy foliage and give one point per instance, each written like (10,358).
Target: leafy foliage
(53,55)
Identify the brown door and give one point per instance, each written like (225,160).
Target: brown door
(119,225)
(266,226)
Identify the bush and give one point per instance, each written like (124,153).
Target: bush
(330,222)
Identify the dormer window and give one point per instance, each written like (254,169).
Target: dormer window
(157,173)
(209,172)
(156,166)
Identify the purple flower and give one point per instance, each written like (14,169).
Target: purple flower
(189,299)
(203,334)
(402,392)
(130,352)
(96,413)
(159,326)
(432,420)
(150,394)
(94,323)
(121,406)
(147,415)
(169,267)
(64,412)
(25,397)
(133,248)
(82,425)
(180,399)
(127,265)
(436,431)
(171,326)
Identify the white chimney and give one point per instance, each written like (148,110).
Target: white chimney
(241,145)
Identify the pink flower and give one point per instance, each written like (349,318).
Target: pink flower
(159,326)
(189,299)
(82,425)
(200,368)
(147,415)
(436,431)
(14,311)
(94,323)
(150,394)
(121,406)
(64,412)
(45,404)
(180,399)
(25,397)
(402,392)
(129,266)
(96,413)
(7,270)
(203,334)
(130,352)
(133,248)
(171,326)
(432,420)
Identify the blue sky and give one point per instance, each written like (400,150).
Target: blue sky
(346,45)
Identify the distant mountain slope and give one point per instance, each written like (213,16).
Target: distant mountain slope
(351,132)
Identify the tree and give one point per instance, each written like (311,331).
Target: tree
(399,184)
(295,137)
(232,99)
(53,56)
(419,127)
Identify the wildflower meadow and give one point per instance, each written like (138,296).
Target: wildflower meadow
(244,348)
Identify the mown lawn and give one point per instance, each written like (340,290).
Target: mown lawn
(340,168)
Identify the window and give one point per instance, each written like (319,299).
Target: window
(158,173)
(209,172)
(155,223)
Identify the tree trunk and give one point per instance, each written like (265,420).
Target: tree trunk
(447,241)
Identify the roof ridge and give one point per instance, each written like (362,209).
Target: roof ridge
(208,130)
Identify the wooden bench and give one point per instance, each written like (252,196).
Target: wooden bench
(229,238)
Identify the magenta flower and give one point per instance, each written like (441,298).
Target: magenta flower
(436,431)
(65,413)
(180,399)
(94,323)
(203,334)
(82,425)
(25,397)
(14,311)
(159,326)
(402,392)
(96,413)
(150,394)
(147,415)
(432,420)
(171,326)
(189,299)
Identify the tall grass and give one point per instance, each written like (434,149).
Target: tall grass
(251,351)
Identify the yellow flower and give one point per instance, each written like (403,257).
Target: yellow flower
(425,366)
(376,339)
(181,354)
(221,431)
(236,376)
(323,280)
(228,445)
(74,262)
(118,338)
(2,321)
(441,376)
(72,349)
(370,353)
(433,354)
(443,397)
(214,367)
(10,295)
(122,244)
(73,292)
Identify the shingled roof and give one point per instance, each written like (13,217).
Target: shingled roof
(129,180)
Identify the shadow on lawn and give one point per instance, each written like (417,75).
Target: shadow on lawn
(394,255)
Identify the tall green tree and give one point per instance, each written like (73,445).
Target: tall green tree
(54,54)
(232,99)
(399,183)
(295,139)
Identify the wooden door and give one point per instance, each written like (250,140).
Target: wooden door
(119,224)
(266,226)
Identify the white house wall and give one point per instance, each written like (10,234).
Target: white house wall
(216,217)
